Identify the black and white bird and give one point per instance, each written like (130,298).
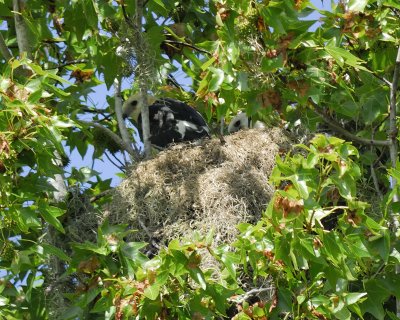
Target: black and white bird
(171,121)
(242,121)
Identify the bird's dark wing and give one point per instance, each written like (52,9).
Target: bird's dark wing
(172,121)
(183,111)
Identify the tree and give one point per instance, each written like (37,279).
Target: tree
(256,56)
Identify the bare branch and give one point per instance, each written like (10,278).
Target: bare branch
(253,292)
(181,43)
(393,131)
(393,148)
(21,30)
(128,20)
(134,154)
(121,166)
(141,75)
(112,135)
(101,195)
(392,119)
(4,49)
(334,125)
(67,63)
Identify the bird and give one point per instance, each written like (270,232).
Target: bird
(171,121)
(242,121)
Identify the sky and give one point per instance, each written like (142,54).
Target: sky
(98,99)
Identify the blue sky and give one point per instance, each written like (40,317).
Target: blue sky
(98,99)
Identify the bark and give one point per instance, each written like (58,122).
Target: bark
(121,143)
(335,126)
(141,76)
(126,138)
(21,30)
(393,131)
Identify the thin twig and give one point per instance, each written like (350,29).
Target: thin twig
(143,226)
(181,43)
(101,195)
(121,167)
(373,173)
(67,63)
(334,125)
(128,20)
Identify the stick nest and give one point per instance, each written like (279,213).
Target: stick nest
(189,188)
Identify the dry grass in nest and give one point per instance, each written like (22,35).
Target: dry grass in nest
(189,188)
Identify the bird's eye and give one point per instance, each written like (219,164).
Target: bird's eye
(237,124)
(134,103)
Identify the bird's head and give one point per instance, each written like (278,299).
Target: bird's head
(239,122)
(134,105)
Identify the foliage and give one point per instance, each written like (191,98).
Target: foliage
(262,57)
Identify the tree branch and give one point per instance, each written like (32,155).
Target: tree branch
(393,149)
(4,49)
(101,195)
(334,125)
(134,154)
(253,292)
(392,118)
(187,45)
(67,63)
(141,50)
(21,30)
(120,167)
(111,134)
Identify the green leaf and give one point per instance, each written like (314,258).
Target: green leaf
(382,245)
(377,294)
(390,3)
(87,246)
(132,251)
(300,183)
(50,214)
(152,292)
(216,79)
(208,63)
(344,57)
(52,250)
(353,297)
(357,247)
(331,247)
(29,217)
(242,81)
(271,64)
(4,301)
(198,276)
(357,5)
(73,312)
(229,260)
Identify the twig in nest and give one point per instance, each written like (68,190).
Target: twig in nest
(152,242)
